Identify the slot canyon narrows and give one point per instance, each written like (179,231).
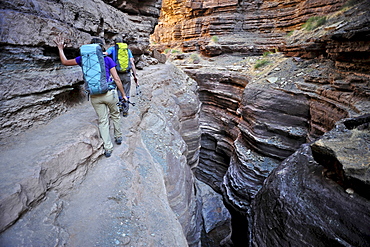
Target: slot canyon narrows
(251,127)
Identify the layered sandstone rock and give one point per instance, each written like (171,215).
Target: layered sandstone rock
(260,24)
(249,128)
(345,83)
(220,93)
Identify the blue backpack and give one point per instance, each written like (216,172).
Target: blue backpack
(93,68)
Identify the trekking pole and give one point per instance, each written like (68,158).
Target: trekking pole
(128,101)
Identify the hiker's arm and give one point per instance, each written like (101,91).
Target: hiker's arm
(118,82)
(59,41)
(64,60)
(133,68)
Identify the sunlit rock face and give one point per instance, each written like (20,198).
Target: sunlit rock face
(35,86)
(238,24)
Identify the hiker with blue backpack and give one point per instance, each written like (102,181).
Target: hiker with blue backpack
(124,59)
(98,71)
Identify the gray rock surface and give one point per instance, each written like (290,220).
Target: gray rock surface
(55,156)
(216,217)
(59,190)
(316,196)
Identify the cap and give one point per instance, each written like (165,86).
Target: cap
(118,40)
(97,41)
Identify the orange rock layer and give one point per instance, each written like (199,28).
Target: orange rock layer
(191,24)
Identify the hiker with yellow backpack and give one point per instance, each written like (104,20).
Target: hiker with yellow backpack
(124,59)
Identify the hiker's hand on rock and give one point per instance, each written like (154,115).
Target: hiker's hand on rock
(59,41)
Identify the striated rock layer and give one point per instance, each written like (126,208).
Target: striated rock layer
(241,26)
(37,88)
(250,125)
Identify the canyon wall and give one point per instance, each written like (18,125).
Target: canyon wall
(37,89)
(253,122)
(247,26)
(253,119)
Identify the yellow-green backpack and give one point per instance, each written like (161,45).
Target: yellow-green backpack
(122,60)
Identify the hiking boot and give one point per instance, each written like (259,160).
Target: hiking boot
(119,140)
(125,114)
(108,153)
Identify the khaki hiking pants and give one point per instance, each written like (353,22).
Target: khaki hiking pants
(105,106)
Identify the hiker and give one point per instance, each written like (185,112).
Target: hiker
(104,104)
(124,59)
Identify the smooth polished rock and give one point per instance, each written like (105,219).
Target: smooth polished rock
(44,159)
